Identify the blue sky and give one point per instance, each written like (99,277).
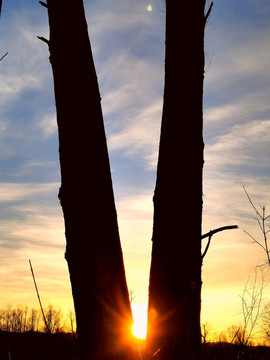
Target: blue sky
(128,46)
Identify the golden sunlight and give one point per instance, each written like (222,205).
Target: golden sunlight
(149,8)
(139,312)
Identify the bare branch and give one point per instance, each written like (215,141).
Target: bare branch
(208,12)
(249,199)
(255,241)
(43,39)
(260,225)
(43,4)
(212,232)
(44,317)
(131,296)
(252,237)
(262,265)
(235,335)
(3,56)
(207,246)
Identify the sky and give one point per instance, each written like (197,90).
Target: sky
(128,46)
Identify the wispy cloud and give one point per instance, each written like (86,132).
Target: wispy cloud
(130,72)
(48,125)
(132,107)
(244,146)
(26,64)
(31,227)
(140,135)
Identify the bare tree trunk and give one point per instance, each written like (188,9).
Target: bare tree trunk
(93,251)
(175,275)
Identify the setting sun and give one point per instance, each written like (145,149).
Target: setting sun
(140,320)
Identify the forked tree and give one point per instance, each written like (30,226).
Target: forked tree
(175,274)
(93,250)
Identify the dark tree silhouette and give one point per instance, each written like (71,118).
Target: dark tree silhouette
(93,251)
(175,275)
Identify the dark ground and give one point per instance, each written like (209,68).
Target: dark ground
(226,351)
(40,346)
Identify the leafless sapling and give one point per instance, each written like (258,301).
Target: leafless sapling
(261,219)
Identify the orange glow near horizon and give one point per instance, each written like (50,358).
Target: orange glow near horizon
(139,327)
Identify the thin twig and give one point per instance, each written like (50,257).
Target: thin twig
(260,225)
(234,336)
(249,199)
(254,240)
(265,236)
(44,317)
(3,56)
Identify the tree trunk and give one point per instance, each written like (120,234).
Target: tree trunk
(93,251)
(175,275)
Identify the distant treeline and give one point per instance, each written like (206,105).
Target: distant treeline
(22,319)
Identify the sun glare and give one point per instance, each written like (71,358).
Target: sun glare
(140,320)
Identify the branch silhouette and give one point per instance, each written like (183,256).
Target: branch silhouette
(212,232)
(44,317)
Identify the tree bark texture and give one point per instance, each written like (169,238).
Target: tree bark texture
(175,274)
(93,250)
